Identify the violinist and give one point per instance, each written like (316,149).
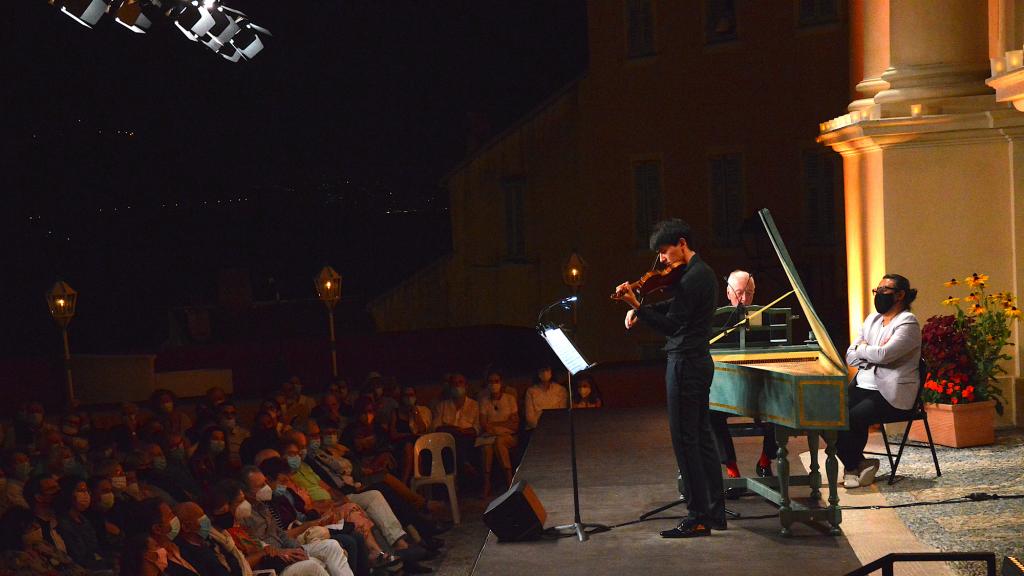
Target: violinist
(685,320)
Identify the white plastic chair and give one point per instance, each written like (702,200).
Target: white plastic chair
(434,443)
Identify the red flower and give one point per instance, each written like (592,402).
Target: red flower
(954,400)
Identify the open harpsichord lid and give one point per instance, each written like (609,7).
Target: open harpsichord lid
(827,347)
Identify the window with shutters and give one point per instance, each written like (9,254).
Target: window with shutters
(719,21)
(726,179)
(819,173)
(639,28)
(515,220)
(647,195)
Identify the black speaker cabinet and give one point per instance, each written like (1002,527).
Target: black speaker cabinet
(516,514)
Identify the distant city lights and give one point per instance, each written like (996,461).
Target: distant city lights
(223,30)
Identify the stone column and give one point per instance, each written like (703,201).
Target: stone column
(869,28)
(939,49)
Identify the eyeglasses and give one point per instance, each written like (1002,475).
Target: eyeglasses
(883,290)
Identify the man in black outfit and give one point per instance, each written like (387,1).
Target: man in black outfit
(685,320)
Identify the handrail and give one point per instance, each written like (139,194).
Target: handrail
(885,563)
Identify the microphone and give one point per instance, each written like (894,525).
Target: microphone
(564,303)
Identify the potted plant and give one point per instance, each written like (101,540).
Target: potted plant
(963,352)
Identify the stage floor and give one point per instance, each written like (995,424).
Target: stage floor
(626,468)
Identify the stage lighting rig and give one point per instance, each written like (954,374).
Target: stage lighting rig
(225,31)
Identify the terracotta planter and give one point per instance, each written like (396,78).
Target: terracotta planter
(958,425)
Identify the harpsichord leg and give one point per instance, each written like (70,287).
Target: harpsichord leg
(832,471)
(782,466)
(814,478)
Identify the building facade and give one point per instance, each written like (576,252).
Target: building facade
(706,111)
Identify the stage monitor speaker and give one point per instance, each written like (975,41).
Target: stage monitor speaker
(516,514)
(1012,566)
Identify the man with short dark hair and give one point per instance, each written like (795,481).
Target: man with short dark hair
(685,320)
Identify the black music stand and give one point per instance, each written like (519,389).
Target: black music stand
(574,363)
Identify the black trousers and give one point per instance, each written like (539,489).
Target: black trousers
(688,385)
(726,449)
(867,407)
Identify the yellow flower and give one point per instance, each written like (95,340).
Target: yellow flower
(976,279)
(952,282)
(950,301)
(972,297)
(976,310)
(1013,312)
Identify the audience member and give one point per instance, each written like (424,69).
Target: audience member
(41,492)
(264,435)
(25,551)
(545,394)
(18,469)
(585,392)
(106,523)
(298,406)
(155,518)
(126,434)
(194,543)
(408,422)
(227,418)
(79,535)
(460,417)
(367,440)
(328,414)
(165,410)
(211,460)
(499,420)
(28,424)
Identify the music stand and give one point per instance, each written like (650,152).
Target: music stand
(574,362)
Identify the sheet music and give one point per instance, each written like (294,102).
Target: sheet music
(565,350)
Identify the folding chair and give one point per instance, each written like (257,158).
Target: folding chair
(917,413)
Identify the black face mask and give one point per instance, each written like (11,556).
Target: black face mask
(223,521)
(884,302)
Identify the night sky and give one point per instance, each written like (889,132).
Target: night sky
(136,167)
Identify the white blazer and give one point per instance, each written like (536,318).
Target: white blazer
(893,352)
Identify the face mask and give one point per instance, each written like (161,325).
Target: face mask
(167,407)
(204,527)
(83,500)
(264,494)
(107,500)
(294,462)
(119,482)
(175,528)
(330,440)
(159,462)
(223,521)
(161,559)
(22,470)
(584,391)
(884,302)
(314,445)
(228,423)
(216,446)
(243,511)
(281,490)
(69,430)
(458,392)
(178,452)
(32,538)
(409,400)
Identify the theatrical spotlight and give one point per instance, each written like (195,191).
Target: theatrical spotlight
(247,41)
(194,19)
(85,12)
(131,15)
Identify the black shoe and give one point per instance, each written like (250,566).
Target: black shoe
(432,543)
(735,492)
(416,568)
(411,554)
(765,471)
(441,527)
(688,528)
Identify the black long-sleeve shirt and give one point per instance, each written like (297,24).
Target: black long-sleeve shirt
(685,319)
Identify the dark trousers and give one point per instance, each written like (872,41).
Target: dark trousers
(355,549)
(726,449)
(688,385)
(867,407)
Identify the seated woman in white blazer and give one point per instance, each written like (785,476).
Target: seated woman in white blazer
(887,352)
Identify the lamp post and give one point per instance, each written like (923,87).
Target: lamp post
(61,300)
(328,290)
(574,276)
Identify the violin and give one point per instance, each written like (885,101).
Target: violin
(655,280)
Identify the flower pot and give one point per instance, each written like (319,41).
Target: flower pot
(958,425)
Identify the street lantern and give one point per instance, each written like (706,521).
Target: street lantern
(328,289)
(62,300)
(574,273)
